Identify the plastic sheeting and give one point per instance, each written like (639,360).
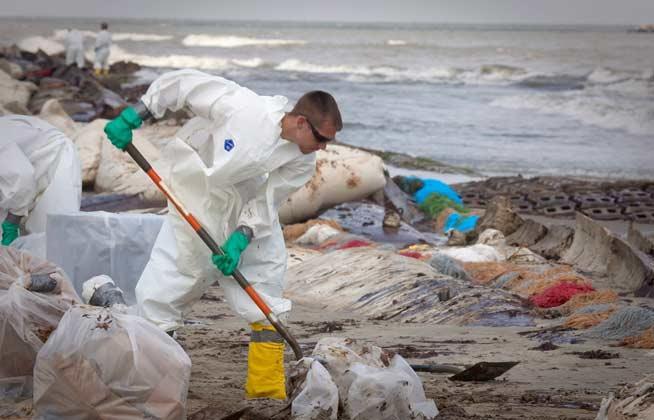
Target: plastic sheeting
(434,186)
(102,363)
(88,244)
(27,318)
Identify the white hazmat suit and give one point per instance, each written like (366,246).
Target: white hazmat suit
(39,171)
(74,44)
(229,167)
(102,47)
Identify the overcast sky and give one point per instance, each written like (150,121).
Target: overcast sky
(454,11)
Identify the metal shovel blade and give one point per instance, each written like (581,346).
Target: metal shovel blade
(482,371)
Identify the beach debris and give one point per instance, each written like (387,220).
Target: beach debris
(34,295)
(559,293)
(383,285)
(643,341)
(371,384)
(626,322)
(108,363)
(634,401)
(449,266)
(596,354)
(528,234)
(102,291)
(555,243)
(482,371)
(500,216)
(598,251)
(342,174)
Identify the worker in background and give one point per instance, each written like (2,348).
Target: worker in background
(74,43)
(39,174)
(232,166)
(102,48)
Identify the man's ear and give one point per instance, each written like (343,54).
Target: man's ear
(300,121)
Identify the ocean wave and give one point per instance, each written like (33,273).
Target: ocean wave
(235,41)
(183,61)
(126,36)
(591,108)
(60,34)
(605,75)
(554,82)
(35,43)
(396,42)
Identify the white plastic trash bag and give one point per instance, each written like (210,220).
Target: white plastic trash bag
(27,317)
(318,398)
(392,393)
(371,386)
(104,363)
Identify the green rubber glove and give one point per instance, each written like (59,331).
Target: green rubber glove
(119,130)
(233,248)
(9,232)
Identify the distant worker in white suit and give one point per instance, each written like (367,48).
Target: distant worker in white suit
(102,49)
(74,43)
(232,166)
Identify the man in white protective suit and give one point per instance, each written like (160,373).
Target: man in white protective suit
(74,43)
(39,174)
(232,166)
(102,48)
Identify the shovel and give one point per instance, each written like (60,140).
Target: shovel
(482,371)
(213,246)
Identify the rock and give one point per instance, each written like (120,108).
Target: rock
(12,90)
(81,111)
(596,250)
(528,234)
(12,69)
(500,216)
(62,94)
(52,83)
(124,67)
(54,113)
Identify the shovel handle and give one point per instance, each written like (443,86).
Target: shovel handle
(213,246)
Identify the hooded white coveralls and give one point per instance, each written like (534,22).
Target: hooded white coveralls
(102,47)
(39,171)
(229,167)
(74,44)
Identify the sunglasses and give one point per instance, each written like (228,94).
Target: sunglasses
(319,137)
